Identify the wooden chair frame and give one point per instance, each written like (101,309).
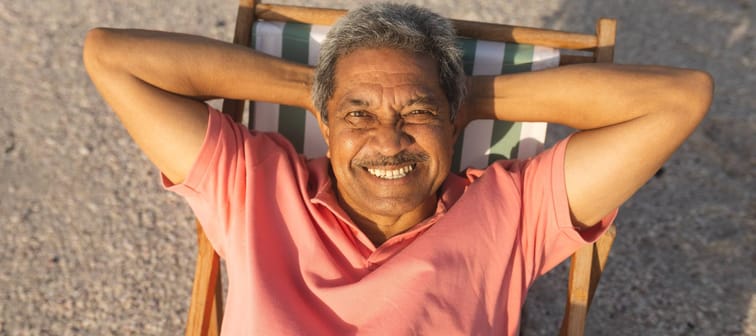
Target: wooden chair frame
(587,264)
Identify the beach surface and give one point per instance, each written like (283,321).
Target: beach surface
(90,244)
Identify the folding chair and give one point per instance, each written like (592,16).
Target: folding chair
(295,33)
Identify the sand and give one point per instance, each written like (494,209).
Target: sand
(91,245)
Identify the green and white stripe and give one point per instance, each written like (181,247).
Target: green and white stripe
(297,43)
(485,141)
(482,142)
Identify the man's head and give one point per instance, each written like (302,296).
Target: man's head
(394,26)
(387,86)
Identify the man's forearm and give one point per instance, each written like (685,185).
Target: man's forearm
(587,96)
(632,119)
(199,67)
(154,82)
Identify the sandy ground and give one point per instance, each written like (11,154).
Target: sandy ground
(91,245)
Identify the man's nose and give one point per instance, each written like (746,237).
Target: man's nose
(390,139)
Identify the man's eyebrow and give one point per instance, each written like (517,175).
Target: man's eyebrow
(353,102)
(422,100)
(357,102)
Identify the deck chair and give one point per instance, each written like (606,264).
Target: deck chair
(295,33)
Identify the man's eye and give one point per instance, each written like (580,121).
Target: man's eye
(419,116)
(357,114)
(358,118)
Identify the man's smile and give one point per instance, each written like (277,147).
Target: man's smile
(390,137)
(390,174)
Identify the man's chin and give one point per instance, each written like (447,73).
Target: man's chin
(393,207)
(388,201)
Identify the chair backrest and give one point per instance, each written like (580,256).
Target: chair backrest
(483,142)
(295,33)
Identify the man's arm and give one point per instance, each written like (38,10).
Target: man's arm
(632,119)
(156,81)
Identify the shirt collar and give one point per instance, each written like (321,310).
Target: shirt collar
(325,195)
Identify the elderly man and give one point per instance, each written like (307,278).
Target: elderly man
(379,238)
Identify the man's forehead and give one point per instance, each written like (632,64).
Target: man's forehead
(366,74)
(375,94)
(370,62)
(367,97)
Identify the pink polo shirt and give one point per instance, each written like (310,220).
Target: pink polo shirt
(297,265)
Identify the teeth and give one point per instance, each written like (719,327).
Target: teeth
(391,174)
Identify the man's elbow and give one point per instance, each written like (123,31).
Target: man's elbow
(92,41)
(95,44)
(698,89)
(684,99)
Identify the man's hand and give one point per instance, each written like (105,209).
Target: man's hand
(155,82)
(632,118)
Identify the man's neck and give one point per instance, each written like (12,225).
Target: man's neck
(379,228)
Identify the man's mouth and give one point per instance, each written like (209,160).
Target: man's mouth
(391,174)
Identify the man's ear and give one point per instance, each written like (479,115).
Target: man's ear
(460,121)
(326,132)
(455,132)
(457,128)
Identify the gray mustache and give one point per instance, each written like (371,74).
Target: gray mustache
(401,158)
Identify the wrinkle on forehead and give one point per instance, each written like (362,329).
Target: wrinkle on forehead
(368,78)
(375,95)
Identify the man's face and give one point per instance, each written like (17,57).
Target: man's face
(389,133)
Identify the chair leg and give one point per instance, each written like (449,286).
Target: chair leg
(205,309)
(586,267)
(576,308)
(216,315)
(602,247)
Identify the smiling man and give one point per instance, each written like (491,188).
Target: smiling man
(379,238)
(391,126)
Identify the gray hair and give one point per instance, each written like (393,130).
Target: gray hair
(399,26)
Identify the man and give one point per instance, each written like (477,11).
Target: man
(380,238)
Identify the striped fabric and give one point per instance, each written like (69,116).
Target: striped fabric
(482,142)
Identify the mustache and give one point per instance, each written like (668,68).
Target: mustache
(401,158)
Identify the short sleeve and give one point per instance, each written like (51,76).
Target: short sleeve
(216,183)
(548,234)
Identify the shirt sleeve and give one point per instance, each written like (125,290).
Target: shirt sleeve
(216,183)
(548,235)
